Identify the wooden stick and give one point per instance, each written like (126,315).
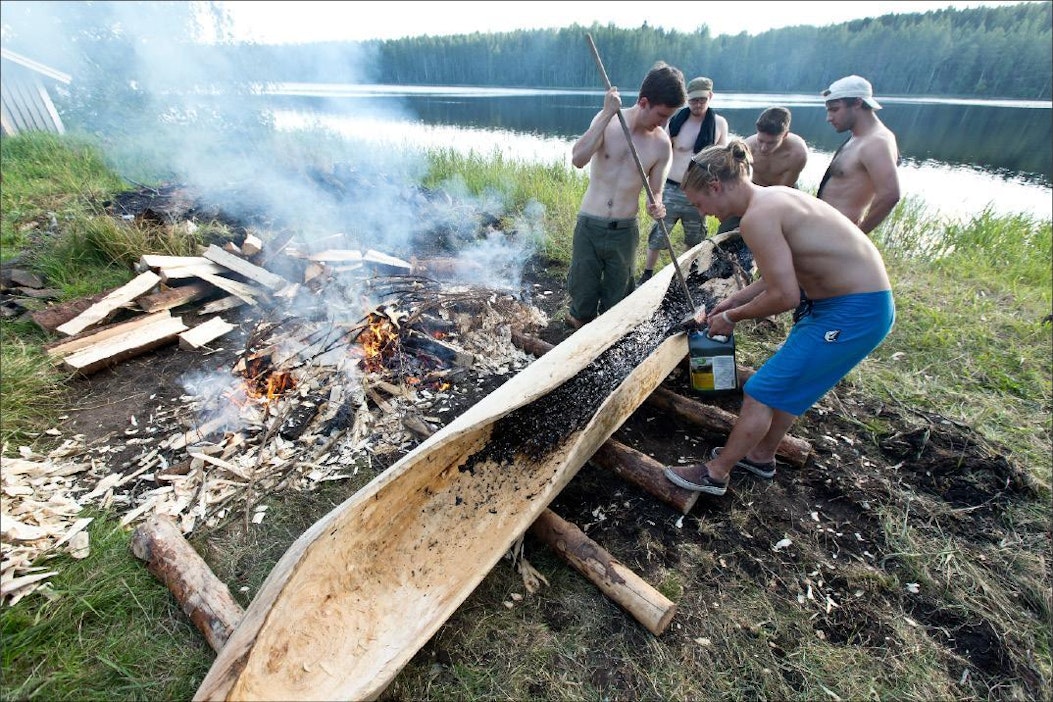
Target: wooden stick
(172,560)
(647,605)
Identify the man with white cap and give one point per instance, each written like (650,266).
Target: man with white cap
(861,181)
(691,129)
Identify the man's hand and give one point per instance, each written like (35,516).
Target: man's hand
(656,210)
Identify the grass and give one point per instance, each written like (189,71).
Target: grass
(971,343)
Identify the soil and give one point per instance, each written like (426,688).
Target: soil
(869,457)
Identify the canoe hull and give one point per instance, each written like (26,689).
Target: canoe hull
(362,590)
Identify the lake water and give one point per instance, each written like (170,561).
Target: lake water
(959,156)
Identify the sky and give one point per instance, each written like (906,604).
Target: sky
(302,21)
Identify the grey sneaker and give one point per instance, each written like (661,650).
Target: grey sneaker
(761,470)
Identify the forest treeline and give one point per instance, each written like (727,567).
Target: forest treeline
(990,52)
(137,64)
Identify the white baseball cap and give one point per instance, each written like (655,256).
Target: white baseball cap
(852,87)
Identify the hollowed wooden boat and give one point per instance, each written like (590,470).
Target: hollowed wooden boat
(362,590)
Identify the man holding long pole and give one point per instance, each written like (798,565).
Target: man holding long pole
(607,232)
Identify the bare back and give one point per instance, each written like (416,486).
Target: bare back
(801,241)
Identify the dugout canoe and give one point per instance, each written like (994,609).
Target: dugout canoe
(364,588)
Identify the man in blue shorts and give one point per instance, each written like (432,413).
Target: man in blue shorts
(800,243)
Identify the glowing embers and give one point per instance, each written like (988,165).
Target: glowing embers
(379,342)
(264,382)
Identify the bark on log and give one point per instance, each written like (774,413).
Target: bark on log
(173,561)
(791,449)
(647,605)
(644,472)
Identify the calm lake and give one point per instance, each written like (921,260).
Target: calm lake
(959,156)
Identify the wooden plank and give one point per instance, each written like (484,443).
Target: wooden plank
(68,347)
(161,261)
(125,346)
(193,270)
(176,296)
(203,334)
(390,263)
(242,267)
(221,305)
(102,310)
(337,256)
(246,292)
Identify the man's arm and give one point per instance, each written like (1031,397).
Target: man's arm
(656,180)
(590,142)
(878,158)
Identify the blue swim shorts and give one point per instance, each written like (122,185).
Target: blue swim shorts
(821,349)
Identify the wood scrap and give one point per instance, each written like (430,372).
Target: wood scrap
(204,334)
(195,270)
(245,268)
(138,340)
(108,306)
(175,296)
(252,245)
(247,293)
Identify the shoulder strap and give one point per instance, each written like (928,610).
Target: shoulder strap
(826,175)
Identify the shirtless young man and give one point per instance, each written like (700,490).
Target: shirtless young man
(861,181)
(607,231)
(800,243)
(779,155)
(691,129)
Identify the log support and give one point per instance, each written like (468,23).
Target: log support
(172,560)
(647,605)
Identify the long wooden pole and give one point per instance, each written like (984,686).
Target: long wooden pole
(643,175)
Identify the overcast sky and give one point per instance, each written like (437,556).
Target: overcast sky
(303,21)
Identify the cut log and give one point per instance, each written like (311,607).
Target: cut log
(245,268)
(204,334)
(791,449)
(647,605)
(172,560)
(107,306)
(644,472)
(136,340)
(54,316)
(174,297)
